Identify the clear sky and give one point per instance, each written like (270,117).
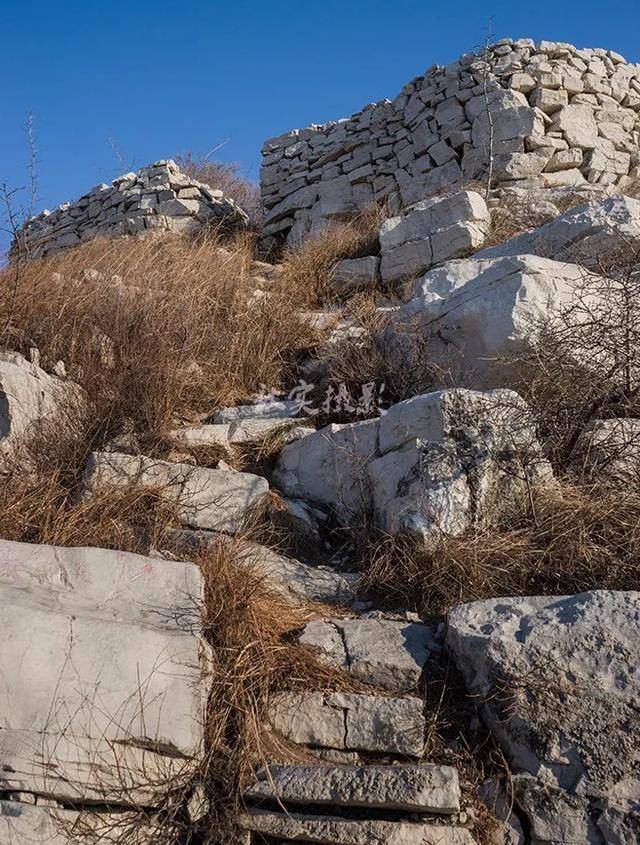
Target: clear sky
(159,77)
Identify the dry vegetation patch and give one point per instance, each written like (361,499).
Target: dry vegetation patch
(576,539)
(307,267)
(155,329)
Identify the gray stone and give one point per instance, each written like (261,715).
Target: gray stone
(578,126)
(570,731)
(291,578)
(350,721)
(417,788)
(104,690)
(29,399)
(356,274)
(334,830)
(381,652)
(215,499)
(434,230)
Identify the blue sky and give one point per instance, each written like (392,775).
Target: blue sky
(159,78)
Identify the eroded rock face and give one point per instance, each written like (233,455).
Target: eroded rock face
(581,235)
(475,313)
(103,692)
(440,463)
(559,117)
(157,197)
(559,684)
(29,399)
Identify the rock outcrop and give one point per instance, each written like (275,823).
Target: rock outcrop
(558,684)
(435,464)
(157,197)
(558,117)
(30,399)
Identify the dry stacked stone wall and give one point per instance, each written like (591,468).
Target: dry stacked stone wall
(547,114)
(160,197)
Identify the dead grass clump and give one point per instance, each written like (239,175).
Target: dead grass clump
(226,177)
(154,329)
(251,632)
(40,502)
(395,359)
(587,538)
(307,267)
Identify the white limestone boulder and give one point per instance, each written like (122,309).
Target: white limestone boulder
(103,667)
(29,399)
(557,679)
(434,230)
(214,499)
(438,464)
(475,312)
(328,469)
(580,235)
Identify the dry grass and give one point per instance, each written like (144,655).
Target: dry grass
(226,177)
(251,631)
(307,267)
(586,538)
(160,328)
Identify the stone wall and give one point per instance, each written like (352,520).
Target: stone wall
(159,196)
(559,117)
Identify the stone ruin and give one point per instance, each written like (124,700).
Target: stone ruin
(547,114)
(157,197)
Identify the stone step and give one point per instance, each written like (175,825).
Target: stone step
(351,721)
(383,652)
(419,788)
(334,830)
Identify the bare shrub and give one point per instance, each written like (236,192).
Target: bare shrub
(226,177)
(585,361)
(586,538)
(394,359)
(307,267)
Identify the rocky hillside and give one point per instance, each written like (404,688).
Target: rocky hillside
(335,541)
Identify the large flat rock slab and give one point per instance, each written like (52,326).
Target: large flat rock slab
(423,788)
(103,691)
(558,678)
(333,830)
(215,499)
